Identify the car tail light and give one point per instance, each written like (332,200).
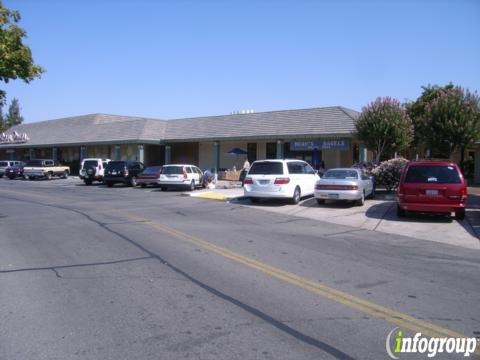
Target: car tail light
(464,194)
(248,181)
(282,181)
(335,187)
(184,174)
(125,172)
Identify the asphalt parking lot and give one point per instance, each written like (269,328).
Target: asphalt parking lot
(377,215)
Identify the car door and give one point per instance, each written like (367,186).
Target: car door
(310,178)
(199,174)
(297,178)
(367,183)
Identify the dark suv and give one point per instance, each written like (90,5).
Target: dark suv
(125,172)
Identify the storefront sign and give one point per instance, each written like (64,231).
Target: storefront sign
(13,138)
(328,144)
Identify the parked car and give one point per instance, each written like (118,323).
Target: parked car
(12,172)
(344,184)
(180,176)
(125,172)
(432,186)
(4,164)
(45,168)
(286,179)
(149,176)
(93,170)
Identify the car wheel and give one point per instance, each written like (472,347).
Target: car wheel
(49,176)
(460,214)
(109,184)
(88,182)
(254,200)
(192,185)
(65,174)
(143,186)
(133,181)
(320,201)
(296,196)
(361,201)
(400,212)
(163,188)
(30,178)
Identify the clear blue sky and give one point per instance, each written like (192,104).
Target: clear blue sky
(173,59)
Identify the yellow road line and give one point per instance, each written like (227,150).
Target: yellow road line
(402,320)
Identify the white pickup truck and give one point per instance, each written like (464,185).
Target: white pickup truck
(40,168)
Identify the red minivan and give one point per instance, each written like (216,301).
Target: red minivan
(432,186)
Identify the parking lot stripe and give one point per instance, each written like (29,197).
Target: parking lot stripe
(402,320)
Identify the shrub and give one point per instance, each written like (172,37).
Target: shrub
(387,173)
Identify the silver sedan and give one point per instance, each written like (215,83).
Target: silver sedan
(344,184)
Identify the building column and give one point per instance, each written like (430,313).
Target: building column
(116,152)
(362,153)
(168,154)
(83,152)
(141,153)
(31,153)
(216,155)
(54,153)
(279,149)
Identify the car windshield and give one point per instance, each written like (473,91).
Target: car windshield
(34,163)
(3,163)
(341,174)
(172,170)
(266,168)
(89,163)
(116,165)
(432,175)
(152,170)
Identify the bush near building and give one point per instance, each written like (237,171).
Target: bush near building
(387,173)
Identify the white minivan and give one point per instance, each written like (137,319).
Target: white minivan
(287,179)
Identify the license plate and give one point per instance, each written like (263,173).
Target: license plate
(333,196)
(264,182)
(114,172)
(431,192)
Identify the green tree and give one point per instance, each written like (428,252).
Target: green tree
(2,120)
(446,119)
(385,127)
(16,60)
(13,116)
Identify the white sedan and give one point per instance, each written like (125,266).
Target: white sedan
(344,184)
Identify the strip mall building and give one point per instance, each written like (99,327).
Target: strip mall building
(316,135)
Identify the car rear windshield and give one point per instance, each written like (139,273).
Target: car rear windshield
(116,165)
(152,170)
(172,170)
(3,163)
(341,174)
(89,163)
(34,163)
(432,174)
(266,168)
